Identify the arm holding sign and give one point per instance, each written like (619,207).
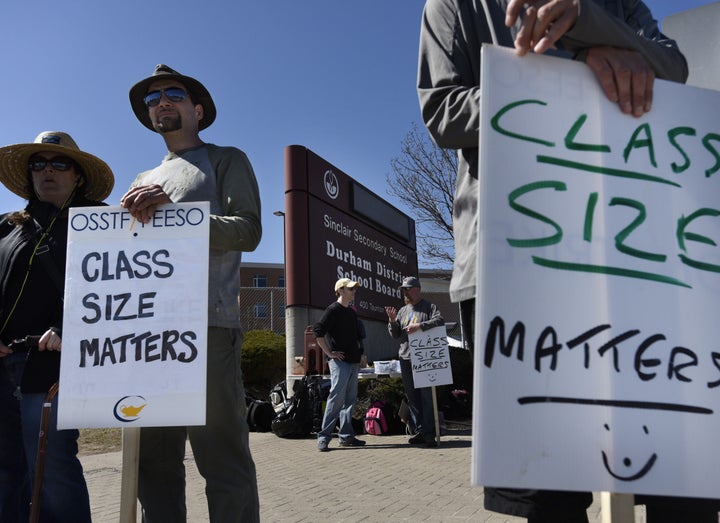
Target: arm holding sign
(143,200)
(238,228)
(581,25)
(453,32)
(638,31)
(625,55)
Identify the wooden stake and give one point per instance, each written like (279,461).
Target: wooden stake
(617,508)
(129,480)
(437,417)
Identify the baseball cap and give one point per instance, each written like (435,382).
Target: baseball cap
(410,281)
(345,282)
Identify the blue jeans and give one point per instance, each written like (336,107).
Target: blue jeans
(341,400)
(64,497)
(419,402)
(14,479)
(221,448)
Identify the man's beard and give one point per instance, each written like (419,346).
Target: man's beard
(406,300)
(168,123)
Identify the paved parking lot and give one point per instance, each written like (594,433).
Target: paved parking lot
(387,480)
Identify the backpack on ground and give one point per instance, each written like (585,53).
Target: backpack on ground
(315,400)
(295,417)
(260,415)
(278,396)
(375,419)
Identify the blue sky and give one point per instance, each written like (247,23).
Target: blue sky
(337,77)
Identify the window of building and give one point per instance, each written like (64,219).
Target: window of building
(260,310)
(260,280)
(281,281)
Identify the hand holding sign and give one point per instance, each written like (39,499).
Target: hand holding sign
(625,77)
(141,202)
(542,24)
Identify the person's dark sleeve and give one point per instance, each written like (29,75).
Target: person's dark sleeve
(639,32)
(394,328)
(436,319)
(324,324)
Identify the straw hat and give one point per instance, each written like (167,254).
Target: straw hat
(14,160)
(197,92)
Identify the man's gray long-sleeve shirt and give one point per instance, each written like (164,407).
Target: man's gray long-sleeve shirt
(424,313)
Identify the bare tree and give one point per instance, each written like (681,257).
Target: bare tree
(423,179)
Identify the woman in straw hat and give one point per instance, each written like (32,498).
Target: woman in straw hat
(53,174)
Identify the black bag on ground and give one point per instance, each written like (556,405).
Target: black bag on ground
(318,391)
(394,423)
(260,414)
(295,418)
(278,395)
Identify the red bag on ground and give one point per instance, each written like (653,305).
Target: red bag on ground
(375,420)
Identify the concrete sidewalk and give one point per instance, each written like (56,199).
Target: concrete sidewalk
(387,480)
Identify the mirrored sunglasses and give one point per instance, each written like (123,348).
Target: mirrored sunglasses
(174,94)
(59,163)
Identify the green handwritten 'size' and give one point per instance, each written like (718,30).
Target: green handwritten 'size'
(641,138)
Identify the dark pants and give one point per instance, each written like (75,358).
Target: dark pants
(14,477)
(220,447)
(666,509)
(420,402)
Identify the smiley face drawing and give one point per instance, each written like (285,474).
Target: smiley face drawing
(633,472)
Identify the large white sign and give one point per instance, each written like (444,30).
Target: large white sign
(430,357)
(597,357)
(135,319)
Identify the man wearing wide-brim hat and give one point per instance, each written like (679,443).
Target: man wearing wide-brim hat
(53,174)
(178,107)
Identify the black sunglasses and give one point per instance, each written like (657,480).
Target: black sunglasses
(174,94)
(59,163)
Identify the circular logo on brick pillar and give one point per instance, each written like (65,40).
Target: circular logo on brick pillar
(332,186)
